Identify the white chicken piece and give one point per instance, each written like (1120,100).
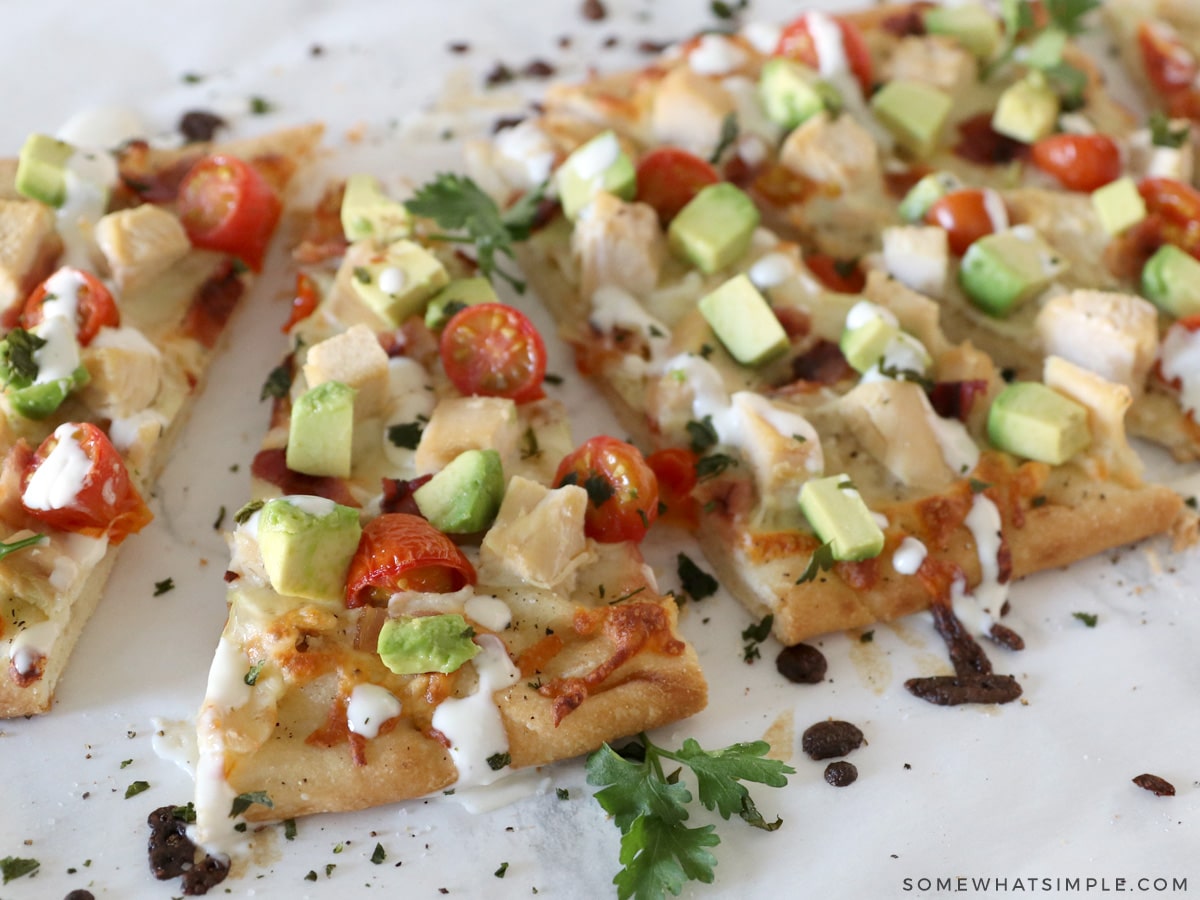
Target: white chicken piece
(125,369)
(937,61)
(918,257)
(1113,335)
(469,423)
(355,358)
(916,313)
(833,151)
(619,244)
(689,110)
(140,244)
(537,537)
(1106,404)
(27,240)
(782,447)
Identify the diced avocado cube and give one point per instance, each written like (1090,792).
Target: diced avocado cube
(971,24)
(1001,271)
(37,401)
(839,516)
(744,322)
(42,169)
(1027,111)
(869,330)
(1171,281)
(1031,420)
(715,228)
(321,433)
(790,92)
(926,192)
(307,544)
(369,213)
(465,496)
(915,114)
(413,645)
(399,284)
(453,297)
(599,165)
(1118,205)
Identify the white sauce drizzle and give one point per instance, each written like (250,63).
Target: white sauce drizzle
(88,176)
(530,150)
(490,612)
(614,308)
(368,708)
(392,280)
(908,556)
(411,397)
(32,645)
(227,688)
(1179,356)
(771,270)
(985,525)
(62,475)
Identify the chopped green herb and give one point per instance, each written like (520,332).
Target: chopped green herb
(499,873)
(599,489)
(529,444)
(289,829)
(659,852)
(626,596)
(406,435)
(977,486)
(696,583)
(161,587)
(185,813)
(278,383)
(136,788)
(260,106)
(703,434)
(1164,134)
(896,373)
(729,134)
(243,802)
(242,516)
(13,867)
(17,364)
(362,274)
(723,10)
(1088,619)
(713,465)
(562,793)
(754,635)
(378,855)
(220,520)
(1038,500)
(192,78)
(31,541)
(498,761)
(822,561)
(311,876)
(126,763)
(706,350)
(240,827)
(551,378)
(251,677)
(866,637)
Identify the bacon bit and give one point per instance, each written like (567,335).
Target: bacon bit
(535,658)
(980,143)
(323,237)
(434,735)
(780,186)
(822,364)
(862,575)
(900,183)
(213,304)
(908,22)
(335,729)
(398,495)
(271,466)
(955,399)
(230,576)
(149,185)
(796,322)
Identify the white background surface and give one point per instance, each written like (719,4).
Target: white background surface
(1035,790)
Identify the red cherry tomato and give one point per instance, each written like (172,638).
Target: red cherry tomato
(304,304)
(1172,214)
(1080,162)
(668,178)
(1167,63)
(402,552)
(796,41)
(95,307)
(494,350)
(106,503)
(226,205)
(675,470)
(622,489)
(964,215)
(845,278)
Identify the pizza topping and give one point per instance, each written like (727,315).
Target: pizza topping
(966,215)
(270,465)
(1179,361)
(1164,150)
(832,46)
(1171,280)
(614,309)
(355,358)
(368,708)
(619,244)
(1002,271)
(140,244)
(400,552)
(1113,335)
(599,165)
(465,423)
(493,350)
(1031,420)
(28,651)
(1080,162)
(1118,205)
(412,645)
(306,544)
(321,431)
(715,228)
(791,92)
(472,725)
(995,561)
(227,205)
(715,54)
(914,113)
(538,536)
(126,373)
(622,490)
(464,497)
(918,258)
(1171,68)
(743,321)
(837,513)
(930,188)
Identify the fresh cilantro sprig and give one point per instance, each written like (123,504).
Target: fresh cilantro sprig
(659,852)
(13,867)
(1164,134)
(31,541)
(18,365)
(1043,51)
(458,204)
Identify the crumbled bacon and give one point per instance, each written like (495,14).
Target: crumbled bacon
(954,399)
(398,495)
(823,364)
(271,466)
(980,143)
(213,304)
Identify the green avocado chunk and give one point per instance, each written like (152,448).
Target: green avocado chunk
(412,645)
(599,165)
(453,297)
(715,227)
(1118,205)
(1171,281)
(926,192)
(307,544)
(1034,421)
(321,433)
(841,518)
(744,322)
(915,113)
(401,282)
(37,401)
(1027,111)
(1003,270)
(42,169)
(369,213)
(971,24)
(864,344)
(790,92)
(465,496)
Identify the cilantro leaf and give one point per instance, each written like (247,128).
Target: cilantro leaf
(703,434)
(12,867)
(635,790)
(406,434)
(822,561)
(1164,134)
(242,516)
(754,635)
(456,203)
(278,383)
(658,858)
(136,788)
(162,587)
(1088,619)
(243,802)
(599,489)
(719,773)
(697,583)
(17,365)
(713,465)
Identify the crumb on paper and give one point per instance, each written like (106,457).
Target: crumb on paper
(781,735)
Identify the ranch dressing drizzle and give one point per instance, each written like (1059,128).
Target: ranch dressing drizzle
(62,475)
(990,594)
(473,724)
(368,708)
(58,358)
(32,645)
(908,556)
(88,176)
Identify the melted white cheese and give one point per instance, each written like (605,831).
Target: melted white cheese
(62,475)
(368,708)
(1179,357)
(490,612)
(908,556)
(473,724)
(715,54)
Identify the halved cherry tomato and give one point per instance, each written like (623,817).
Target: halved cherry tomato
(668,178)
(106,502)
(1172,214)
(675,470)
(964,215)
(226,205)
(622,489)
(94,308)
(1167,63)
(304,304)
(402,552)
(843,277)
(494,350)
(1080,162)
(796,41)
